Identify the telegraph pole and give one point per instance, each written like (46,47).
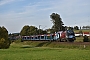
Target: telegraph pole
(39,31)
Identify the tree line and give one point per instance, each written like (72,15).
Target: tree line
(31,30)
(86,27)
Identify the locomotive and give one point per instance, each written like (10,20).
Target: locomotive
(61,36)
(67,35)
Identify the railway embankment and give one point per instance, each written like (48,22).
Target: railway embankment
(70,45)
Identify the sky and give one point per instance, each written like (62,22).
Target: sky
(14,14)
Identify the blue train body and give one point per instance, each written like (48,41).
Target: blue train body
(39,37)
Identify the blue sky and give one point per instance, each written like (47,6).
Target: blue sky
(14,14)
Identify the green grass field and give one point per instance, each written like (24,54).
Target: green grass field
(44,54)
(21,51)
(77,31)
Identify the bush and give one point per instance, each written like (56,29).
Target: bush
(4,44)
(86,39)
(4,41)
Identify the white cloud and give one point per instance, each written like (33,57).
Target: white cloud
(3,2)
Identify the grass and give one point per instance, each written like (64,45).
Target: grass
(43,53)
(48,51)
(77,31)
(40,50)
(80,39)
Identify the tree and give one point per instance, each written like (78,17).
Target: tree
(28,30)
(70,28)
(4,41)
(50,30)
(31,30)
(25,31)
(76,28)
(86,27)
(57,22)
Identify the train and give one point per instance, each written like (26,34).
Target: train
(62,36)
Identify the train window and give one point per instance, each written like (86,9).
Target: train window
(42,37)
(70,32)
(28,37)
(24,37)
(38,37)
(48,37)
(31,37)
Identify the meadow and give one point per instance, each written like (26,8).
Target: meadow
(44,54)
(77,31)
(32,50)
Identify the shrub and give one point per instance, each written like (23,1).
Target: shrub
(4,43)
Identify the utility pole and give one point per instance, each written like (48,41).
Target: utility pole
(39,31)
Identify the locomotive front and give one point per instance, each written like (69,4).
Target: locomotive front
(70,35)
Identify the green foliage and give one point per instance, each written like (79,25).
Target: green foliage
(43,53)
(50,31)
(80,32)
(86,27)
(57,22)
(31,30)
(70,28)
(86,39)
(76,28)
(28,30)
(4,41)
